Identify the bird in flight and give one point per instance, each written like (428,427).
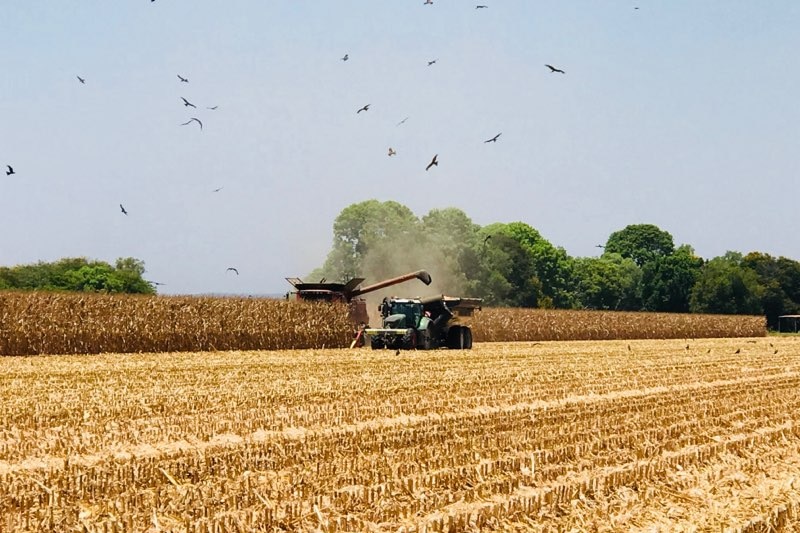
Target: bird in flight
(434,163)
(402,121)
(428,2)
(10,170)
(232,270)
(184,80)
(187,103)
(554,69)
(123,210)
(392,151)
(481,7)
(193,120)
(432,62)
(493,139)
(599,246)
(365,108)
(345,57)
(217,189)
(81,79)
(213,108)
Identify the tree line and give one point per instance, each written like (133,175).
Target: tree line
(78,274)
(510,264)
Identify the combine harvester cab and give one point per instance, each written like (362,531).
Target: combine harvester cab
(424,324)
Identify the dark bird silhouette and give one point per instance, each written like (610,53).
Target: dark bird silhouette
(776,351)
(187,103)
(123,210)
(213,108)
(687,347)
(599,246)
(428,2)
(397,352)
(481,7)
(485,239)
(184,80)
(392,151)
(157,283)
(217,189)
(432,62)
(345,57)
(629,348)
(193,120)
(554,69)
(365,108)
(708,351)
(402,121)
(81,79)
(434,162)
(738,350)
(232,270)
(10,170)
(493,139)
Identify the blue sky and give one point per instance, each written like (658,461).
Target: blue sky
(683,114)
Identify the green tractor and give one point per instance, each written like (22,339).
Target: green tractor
(424,324)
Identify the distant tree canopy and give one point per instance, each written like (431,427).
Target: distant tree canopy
(512,264)
(78,274)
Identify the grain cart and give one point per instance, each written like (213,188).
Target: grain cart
(424,324)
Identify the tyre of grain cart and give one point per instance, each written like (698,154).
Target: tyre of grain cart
(455,338)
(467,338)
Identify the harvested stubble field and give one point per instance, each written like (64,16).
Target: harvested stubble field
(669,435)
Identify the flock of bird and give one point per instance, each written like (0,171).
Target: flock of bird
(434,162)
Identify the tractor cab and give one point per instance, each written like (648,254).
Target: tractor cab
(401,313)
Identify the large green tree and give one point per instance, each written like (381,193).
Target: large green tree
(607,282)
(725,286)
(361,228)
(780,282)
(667,280)
(641,242)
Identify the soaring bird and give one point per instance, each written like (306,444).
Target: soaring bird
(554,69)
(434,163)
(493,139)
(432,62)
(184,80)
(428,2)
(365,108)
(392,151)
(599,246)
(345,57)
(10,170)
(217,189)
(481,7)
(193,120)
(187,103)
(122,209)
(213,108)
(81,79)
(232,270)
(402,121)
